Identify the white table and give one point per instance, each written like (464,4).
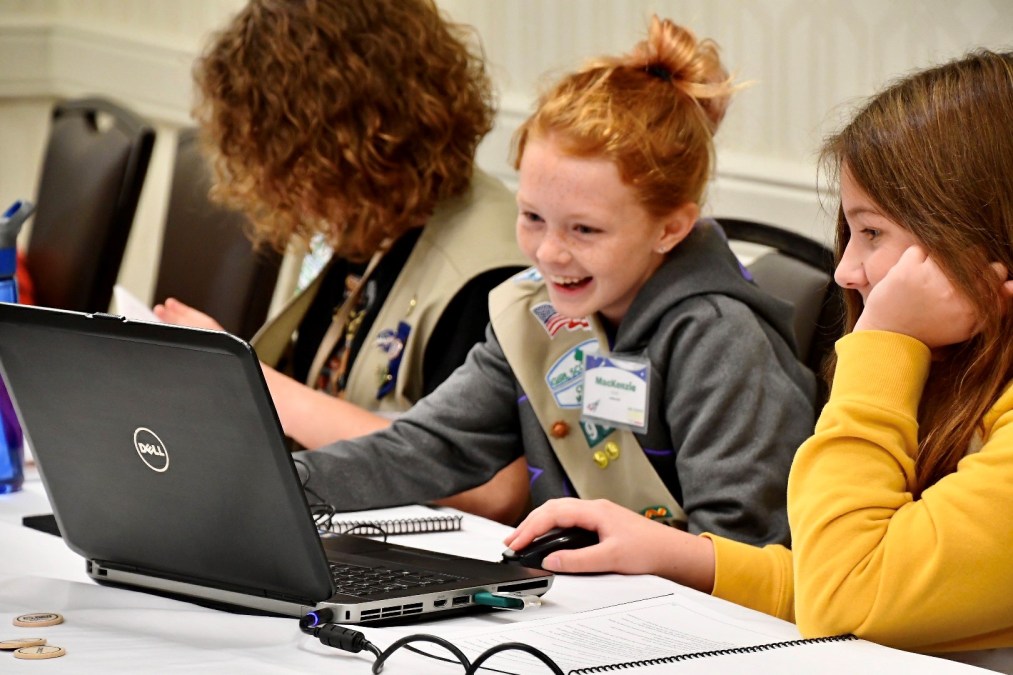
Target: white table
(112,630)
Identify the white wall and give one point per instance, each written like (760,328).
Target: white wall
(808,61)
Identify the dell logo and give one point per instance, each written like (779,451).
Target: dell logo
(151,449)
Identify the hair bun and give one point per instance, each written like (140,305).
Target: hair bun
(672,53)
(659,71)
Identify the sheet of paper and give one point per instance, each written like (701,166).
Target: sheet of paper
(632,632)
(128,305)
(678,624)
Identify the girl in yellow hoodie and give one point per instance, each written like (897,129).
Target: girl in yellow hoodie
(901,503)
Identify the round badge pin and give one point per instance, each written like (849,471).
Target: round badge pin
(10,645)
(39,619)
(40,652)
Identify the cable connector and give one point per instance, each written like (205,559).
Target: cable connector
(316,618)
(339,637)
(318,624)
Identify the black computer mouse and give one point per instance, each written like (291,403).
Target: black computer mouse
(554,540)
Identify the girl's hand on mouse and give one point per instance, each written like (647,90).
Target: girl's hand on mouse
(175,312)
(629,543)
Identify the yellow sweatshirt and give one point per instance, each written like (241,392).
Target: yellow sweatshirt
(933,574)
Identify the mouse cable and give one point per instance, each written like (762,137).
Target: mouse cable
(349,640)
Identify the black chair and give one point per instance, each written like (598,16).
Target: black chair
(800,271)
(207,261)
(95,163)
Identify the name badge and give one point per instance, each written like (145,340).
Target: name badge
(615,391)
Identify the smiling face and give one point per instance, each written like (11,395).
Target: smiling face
(875,243)
(587,234)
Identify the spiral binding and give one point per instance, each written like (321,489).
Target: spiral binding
(752,649)
(328,519)
(442,523)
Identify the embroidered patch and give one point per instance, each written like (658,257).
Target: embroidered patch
(566,376)
(657,512)
(552,321)
(391,343)
(595,433)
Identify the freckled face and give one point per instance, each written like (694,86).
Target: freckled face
(875,244)
(585,232)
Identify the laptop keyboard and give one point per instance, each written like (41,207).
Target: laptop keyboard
(364,582)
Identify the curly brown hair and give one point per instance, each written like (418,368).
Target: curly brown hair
(653,112)
(347,118)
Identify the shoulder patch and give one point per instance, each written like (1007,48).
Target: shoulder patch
(553,322)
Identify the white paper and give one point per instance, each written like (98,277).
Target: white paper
(130,306)
(676,624)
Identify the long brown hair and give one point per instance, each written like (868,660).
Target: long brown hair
(935,152)
(653,112)
(350,118)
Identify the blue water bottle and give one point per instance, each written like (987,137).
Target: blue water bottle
(11,439)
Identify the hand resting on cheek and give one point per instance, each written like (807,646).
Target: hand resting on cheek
(917,299)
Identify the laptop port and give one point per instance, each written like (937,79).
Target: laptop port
(439,603)
(462,600)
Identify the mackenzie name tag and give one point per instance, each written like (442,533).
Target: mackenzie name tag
(615,391)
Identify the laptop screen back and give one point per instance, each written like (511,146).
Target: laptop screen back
(161,451)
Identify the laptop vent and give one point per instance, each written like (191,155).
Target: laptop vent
(392,611)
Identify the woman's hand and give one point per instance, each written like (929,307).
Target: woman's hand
(629,543)
(180,314)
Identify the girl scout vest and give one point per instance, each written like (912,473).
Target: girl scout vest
(545,352)
(466,236)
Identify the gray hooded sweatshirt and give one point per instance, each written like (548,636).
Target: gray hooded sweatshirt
(733,403)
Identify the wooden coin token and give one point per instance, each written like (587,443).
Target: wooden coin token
(40,652)
(39,619)
(9,645)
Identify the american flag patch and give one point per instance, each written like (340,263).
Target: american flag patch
(552,321)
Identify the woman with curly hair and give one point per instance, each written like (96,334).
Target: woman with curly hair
(356,122)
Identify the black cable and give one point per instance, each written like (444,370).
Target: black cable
(317,624)
(421,637)
(322,512)
(519,646)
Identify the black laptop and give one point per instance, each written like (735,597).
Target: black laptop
(164,460)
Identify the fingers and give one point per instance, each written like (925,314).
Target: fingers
(580,561)
(179,313)
(913,255)
(170,311)
(1006,284)
(563,512)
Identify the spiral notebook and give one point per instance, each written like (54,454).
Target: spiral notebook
(399,520)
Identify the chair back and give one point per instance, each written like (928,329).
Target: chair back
(96,160)
(799,270)
(207,260)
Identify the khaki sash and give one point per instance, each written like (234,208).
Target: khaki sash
(599,462)
(275,337)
